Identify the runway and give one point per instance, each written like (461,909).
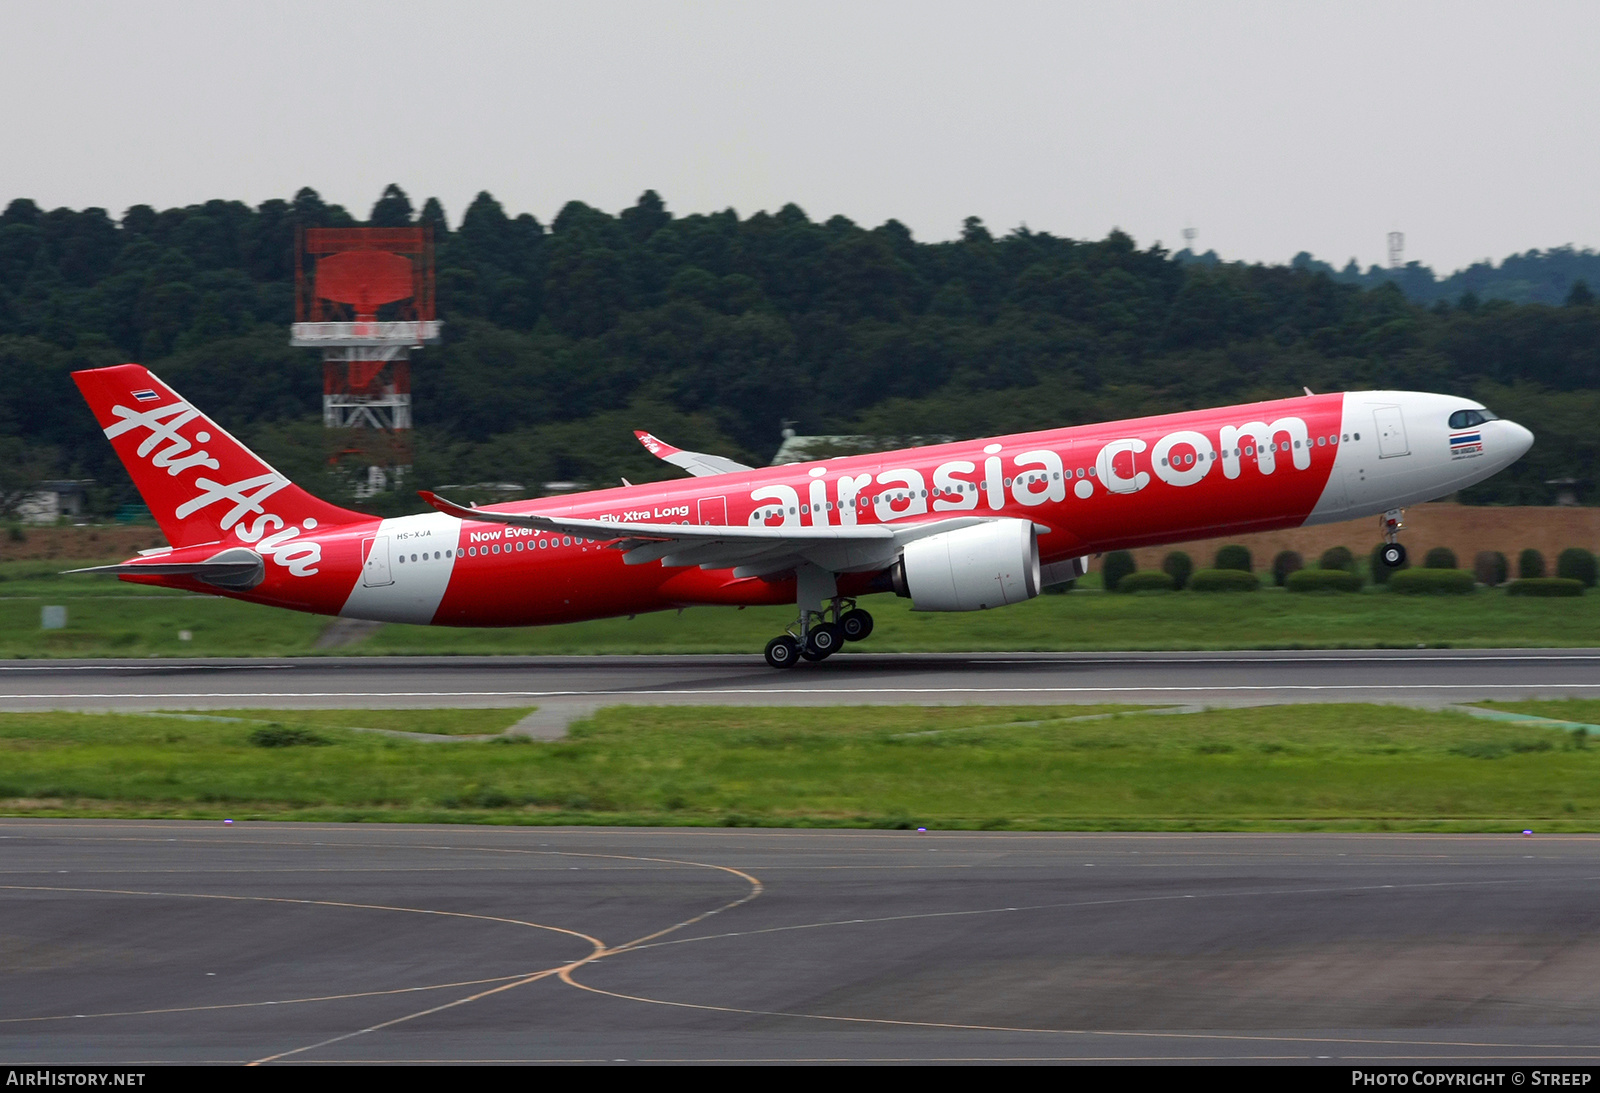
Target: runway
(144,942)
(567,687)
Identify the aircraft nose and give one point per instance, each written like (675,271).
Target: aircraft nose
(1518,440)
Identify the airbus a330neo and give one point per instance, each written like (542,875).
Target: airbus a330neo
(955,527)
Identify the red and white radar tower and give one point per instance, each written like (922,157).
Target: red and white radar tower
(365,297)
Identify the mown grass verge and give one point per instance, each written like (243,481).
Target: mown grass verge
(1289,768)
(1582,711)
(108,618)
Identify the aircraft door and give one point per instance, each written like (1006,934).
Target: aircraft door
(1391,432)
(375,562)
(712,511)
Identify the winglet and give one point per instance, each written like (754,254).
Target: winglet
(449,508)
(698,464)
(655,445)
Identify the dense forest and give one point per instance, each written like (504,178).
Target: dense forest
(714,331)
(1534,277)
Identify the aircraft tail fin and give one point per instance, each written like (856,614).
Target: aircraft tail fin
(201,484)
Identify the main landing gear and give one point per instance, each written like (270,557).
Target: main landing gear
(817,635)
(1390,523)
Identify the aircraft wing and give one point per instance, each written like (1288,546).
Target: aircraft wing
(751,551)
(698,464)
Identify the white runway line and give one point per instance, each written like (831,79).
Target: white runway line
(1398,656)
(765,691)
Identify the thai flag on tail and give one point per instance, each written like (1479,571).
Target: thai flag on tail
(1466,443)
(146,395)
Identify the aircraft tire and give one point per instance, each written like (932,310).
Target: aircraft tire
(783,652)
(1394,555)
(823,641)
(856,625)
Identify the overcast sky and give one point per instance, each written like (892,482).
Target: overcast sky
(1268,127)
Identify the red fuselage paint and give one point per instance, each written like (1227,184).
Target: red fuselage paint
(1087,489)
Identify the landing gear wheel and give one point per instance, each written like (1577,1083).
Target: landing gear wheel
(783,652)
(823,641)
(1394,555)
(855,624)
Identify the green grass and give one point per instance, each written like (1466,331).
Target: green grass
(1077,621)
(1583,711)
(1290,768)
(136,625)
(112,618)
(436,722)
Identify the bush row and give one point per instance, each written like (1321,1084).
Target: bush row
(1432,582)
(1337,570)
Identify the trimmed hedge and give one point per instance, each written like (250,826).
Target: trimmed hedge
(1147,580)
(1440,558)
(1336,558)
(1224,580)
(1576,564)
(1545,586)
(1491,568)
(1530,564)
(1178,566)
(1287,562)
(1234,557)
(1117,565)
(1437,582)
(1323,580)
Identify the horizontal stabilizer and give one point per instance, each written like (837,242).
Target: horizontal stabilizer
(698,464)
(237,568)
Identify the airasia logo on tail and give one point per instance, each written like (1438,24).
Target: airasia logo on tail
(166,448)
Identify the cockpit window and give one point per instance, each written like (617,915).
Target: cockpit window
(1466,419)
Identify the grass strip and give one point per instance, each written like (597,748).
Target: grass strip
(435,722)
(1283,768)
(107,618)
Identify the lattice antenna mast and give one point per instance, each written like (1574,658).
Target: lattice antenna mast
(1397,249)
(365,297)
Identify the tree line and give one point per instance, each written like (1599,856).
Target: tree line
(714,331)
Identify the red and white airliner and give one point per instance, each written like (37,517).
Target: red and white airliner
(955,527)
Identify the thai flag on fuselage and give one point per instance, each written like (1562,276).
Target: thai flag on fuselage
(1466,443)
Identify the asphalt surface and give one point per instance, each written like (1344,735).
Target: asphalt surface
(568,687)
(142,941)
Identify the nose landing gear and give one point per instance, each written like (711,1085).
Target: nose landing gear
(817,635)
(1390,523)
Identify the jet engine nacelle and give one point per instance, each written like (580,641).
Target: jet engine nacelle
(988,565)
